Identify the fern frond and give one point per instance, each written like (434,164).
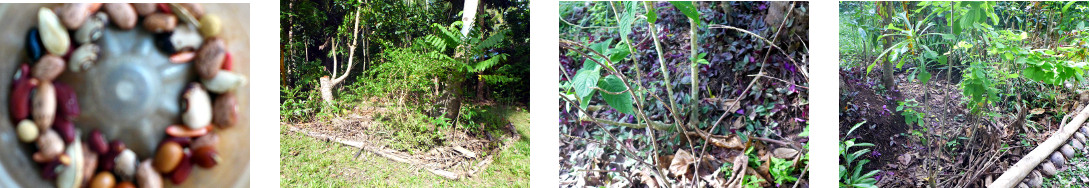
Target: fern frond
(486,64)
(495,79)
(492,40)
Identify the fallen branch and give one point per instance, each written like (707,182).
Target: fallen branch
(1018,171)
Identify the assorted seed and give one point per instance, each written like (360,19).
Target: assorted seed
(45,111)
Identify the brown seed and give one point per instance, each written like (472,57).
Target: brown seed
(45,105)
(206,157)
(210,58)
(147,176)
(50,144)
(160,22)
(168,157)
(73,15)
(48,68)
(144,9)
(122,14)
(225,111)
(103,180)
(125,184)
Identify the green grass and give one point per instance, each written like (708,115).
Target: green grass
(308,162)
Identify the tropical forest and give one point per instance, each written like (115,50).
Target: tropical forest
(963,94)
(404,93)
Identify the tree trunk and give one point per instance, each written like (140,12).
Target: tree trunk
(326,89)
(887,68)
(452,94)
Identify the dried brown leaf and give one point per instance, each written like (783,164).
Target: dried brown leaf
(681,161)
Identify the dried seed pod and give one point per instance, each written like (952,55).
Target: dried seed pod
(83,57)
(103,180)
(92,30)
(72,176)
(182,171)
(97,142)
(21,98)
(44,105)
(225,110)
(144,9)
(34,48)
(186,39)
(183,14)
(48,68)
(168,156)
(54,35)
(210,58)
(160,22)
(121,14)
(73,15)
(146,175)
(210,25)
(224,81)
(197,107)
(125,165)
(67,101)
(28,131)
(206,157)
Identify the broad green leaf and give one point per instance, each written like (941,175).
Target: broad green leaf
(621,102)
(689,9)
(585,80)
(619,53)
(924,76)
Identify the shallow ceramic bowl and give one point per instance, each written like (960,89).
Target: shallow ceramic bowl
(131,94)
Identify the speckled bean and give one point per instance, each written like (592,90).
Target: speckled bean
(83,58)
(48,68)
(121,14)
(160,22)
(44,105)
(210,58)
(197,107)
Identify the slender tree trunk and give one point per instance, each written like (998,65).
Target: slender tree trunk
(328,83)
(453,90)
(886,73)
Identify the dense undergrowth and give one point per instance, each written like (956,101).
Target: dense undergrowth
(917,72)
(420,76)
(678,93)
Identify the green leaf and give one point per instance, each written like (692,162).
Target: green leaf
(688,9)
(585,80)
(924,76)
(619,53)
(628,18)
(621,102)
(652,14)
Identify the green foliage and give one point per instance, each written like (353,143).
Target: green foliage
(781,170)
(979,86)
(409,131)
(589,77)
(689,10)
(911,116)
(850,170)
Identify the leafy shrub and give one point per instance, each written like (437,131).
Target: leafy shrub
(911,116)
(850,172)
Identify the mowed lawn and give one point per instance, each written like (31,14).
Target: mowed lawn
(308,162)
